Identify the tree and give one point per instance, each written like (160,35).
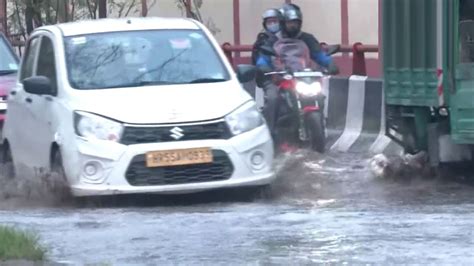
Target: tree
(30,14)
(3,16)
(102,8)
(192,9)
(25,15)
(144,8)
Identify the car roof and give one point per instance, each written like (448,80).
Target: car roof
(123,24)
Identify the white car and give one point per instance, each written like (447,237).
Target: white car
(135,105)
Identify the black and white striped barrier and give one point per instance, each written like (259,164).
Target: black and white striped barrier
(355,115)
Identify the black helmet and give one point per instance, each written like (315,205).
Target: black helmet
(286,7)
(292,14)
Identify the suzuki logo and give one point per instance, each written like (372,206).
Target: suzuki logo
(177,133)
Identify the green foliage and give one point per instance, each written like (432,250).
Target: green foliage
(19,245)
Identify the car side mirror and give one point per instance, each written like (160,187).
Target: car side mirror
(246,73)
(40,85)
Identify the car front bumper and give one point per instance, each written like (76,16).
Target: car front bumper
(121,169)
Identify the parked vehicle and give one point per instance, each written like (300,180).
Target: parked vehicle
(428,57)
(135,105)
(8,70)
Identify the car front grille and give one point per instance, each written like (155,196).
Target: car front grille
(139,135)
(138,174)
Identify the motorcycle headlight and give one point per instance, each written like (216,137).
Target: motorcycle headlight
(92,126)
(306,89)
(244,119)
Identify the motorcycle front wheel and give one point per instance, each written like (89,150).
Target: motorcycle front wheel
(316,131)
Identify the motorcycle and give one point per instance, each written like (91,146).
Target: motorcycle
(300,118)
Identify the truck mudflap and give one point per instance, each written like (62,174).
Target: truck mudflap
(442,148)
(406,126)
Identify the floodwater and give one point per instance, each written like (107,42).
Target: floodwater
(322,209)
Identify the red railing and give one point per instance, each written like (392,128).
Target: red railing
(358,51)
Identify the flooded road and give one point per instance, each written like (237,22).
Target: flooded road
(322,209)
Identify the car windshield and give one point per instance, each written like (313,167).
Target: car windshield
(139,58)
(8,61)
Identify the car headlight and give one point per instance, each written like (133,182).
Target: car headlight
(306,89)
(92,126)
(245,118)
(3,103)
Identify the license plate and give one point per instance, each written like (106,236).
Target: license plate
(179,157)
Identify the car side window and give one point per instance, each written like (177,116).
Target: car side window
(46,62)
(29,60)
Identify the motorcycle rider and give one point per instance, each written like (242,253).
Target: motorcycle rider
(272,19)
(291,28)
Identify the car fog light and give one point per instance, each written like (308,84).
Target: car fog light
(257,159)
(93,170)
(90,169)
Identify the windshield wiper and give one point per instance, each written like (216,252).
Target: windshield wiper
(207,80)
(139,84)
(7,72)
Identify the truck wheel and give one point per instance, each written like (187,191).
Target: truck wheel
(316,131)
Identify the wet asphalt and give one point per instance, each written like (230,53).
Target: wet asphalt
(322,209)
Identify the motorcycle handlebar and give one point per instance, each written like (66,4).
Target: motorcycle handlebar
(324,73)
(276,73)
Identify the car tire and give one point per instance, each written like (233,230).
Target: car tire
(57,181)
(6,162)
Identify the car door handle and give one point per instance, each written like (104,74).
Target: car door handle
(13,92)
(28,100)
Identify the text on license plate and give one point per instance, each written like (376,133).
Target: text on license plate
(179,157)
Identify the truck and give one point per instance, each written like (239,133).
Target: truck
(428,75)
